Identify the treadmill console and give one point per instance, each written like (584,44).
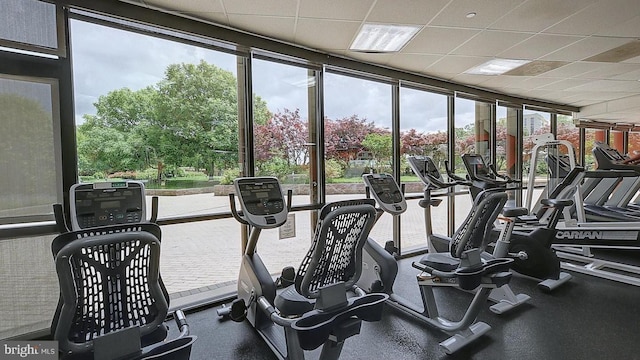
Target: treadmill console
(261,201)
(476,166)
(106,203)
(386,192)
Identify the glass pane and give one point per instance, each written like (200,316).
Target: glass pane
(507,156)
(634,143)
(166,114)
(569,132)
(29,285)
(616,140)
(533,123)
(157,111)
(283,143)
(30,22)
(423,131)
(199,255)
(591,136)
(283,116)
(357,139)
(29,158)
(473,131)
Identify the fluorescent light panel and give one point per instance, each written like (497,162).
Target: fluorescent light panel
(496,67)
(383,38)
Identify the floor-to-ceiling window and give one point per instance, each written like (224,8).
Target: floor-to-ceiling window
(284,145)
(472,126)
(508,160)
(164,113)
(357,130)
(591,137)
(423,132)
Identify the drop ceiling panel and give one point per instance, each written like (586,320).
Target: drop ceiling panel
(412,62)
(487,11)
(536,82)
(537,15)
(456,64)
(335,9)
(629,28)
(585,48)
(470,79)
(537,46)
(609,85)
(496,82)
(277,27)
(438,40)
(326,34)
(283,8)
(573,69)
(376,58)
(593,18)
(611,71)
(563,85)
(629,76)
(489,43)
(406,11)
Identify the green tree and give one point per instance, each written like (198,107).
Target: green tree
(380,146)
(190,118)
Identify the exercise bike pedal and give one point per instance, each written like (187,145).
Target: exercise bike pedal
(390,247)
(287,277)
(377,286)
(236,312)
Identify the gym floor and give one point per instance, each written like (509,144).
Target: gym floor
(587,318)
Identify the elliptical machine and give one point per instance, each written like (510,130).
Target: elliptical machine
(531,250)
(462,267)
(315,310)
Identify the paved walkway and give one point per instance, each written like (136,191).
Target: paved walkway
(198,255)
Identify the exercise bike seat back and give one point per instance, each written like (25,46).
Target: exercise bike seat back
(333,260)
(336,251)
(473,234)
(113,302)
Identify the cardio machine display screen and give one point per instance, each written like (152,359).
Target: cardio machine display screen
(96,206)
(261,198)
(475,165)
(386,189)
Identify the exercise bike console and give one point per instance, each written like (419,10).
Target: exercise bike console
(387,193)
(262,202)
(106,203)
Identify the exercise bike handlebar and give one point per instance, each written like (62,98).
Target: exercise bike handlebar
(457,180)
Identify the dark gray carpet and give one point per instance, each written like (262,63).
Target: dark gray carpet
(589,318)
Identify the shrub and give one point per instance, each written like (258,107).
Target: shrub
(147,174)
(334,169)
(229,175)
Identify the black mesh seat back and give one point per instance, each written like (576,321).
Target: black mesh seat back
(338,204)
(108,282)
(335,254)
(475,231)
(60,241)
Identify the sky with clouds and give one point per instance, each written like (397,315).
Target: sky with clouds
(106,59)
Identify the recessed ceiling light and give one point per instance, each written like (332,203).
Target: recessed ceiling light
(383,38)
(496,67)
(470,15)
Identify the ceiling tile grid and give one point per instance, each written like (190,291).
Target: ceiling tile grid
(450,41)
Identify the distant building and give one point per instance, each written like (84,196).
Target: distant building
(532,123)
